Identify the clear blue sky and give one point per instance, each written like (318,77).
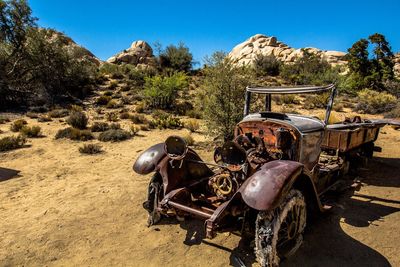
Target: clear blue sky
(107,27)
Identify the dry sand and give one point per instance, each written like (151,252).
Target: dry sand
(68,209)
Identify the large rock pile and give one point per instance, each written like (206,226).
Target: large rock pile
(245,53)
(396,67)
(139,54)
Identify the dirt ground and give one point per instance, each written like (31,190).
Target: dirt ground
(69,209)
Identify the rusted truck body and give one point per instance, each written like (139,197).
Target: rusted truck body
(271,175)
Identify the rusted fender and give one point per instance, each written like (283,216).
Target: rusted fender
(148,160)
(265,188)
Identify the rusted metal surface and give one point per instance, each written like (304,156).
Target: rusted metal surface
(264,189)
(148,160)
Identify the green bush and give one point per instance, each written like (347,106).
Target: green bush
(316,101)
(74,134)
(113,70)
(373,102)
(100,127)
(34,131)
(17,125)
(114,135)
(11,142)
(78,119)
(166,122)
(58,113)
(266,65)
(162,92)
(90,149)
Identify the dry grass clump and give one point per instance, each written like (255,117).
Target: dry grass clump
(44,118)
(374,102)
(189,139)
(138,118)
(141,107)
(32,132)
(114,135)
(284,99)
(78,119)
(100,126)
(11,142)
(4,119)
(74,134)
(316,101)
(17,125)
(58,113)
(338,107)
(32,115)
(113,104)
(112,116)
(192,125)
(144,127)
(134,129)
(125,115)
(394,113)
(90,149)
(103,100)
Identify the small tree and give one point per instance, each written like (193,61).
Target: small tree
(266,65)
(177,58)
(223,87)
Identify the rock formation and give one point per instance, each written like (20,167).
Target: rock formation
(139,54)
(246,52)
(396,67)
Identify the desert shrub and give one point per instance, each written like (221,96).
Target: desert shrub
(162,92)
(39,109)
(124,115)
(223,94)
(113,70)
(44,118)
(90,149)
(182,107)
(112,116)
(78,119)
(194,113)
(126,100)
(113,85)
(11,142)
(316,101)
(138,118)
(144,127)
(117,95)
(103,100)
(333,118)
(284,99)
(177,58)
(309,69)
(108,93)
(394,113)
(338,107)
(189,139)
(166,122)
(32,115)
(288,109)
(59,113)
(373,102)
(140,108)
(115,126)
(192,125)
(76,108)
(112,104)
(34,131)
(266,65)
(114,135)
(4,119)
(17,125)
(134,129)
(74,134)
(100,126)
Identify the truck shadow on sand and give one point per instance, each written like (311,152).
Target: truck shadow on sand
(325,242)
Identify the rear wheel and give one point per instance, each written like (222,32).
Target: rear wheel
(279,233)
(155,194)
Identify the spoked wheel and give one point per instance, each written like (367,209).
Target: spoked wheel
(154,196)
(279,233)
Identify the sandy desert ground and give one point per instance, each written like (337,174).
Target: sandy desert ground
(69,209)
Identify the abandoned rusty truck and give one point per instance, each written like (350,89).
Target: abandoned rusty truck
(273,174)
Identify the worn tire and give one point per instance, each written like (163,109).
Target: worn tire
(272,227)
(154,196)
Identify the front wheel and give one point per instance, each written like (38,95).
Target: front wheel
(154,196)
(279,233)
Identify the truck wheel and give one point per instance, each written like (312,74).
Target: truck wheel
(154,195)
(279,233)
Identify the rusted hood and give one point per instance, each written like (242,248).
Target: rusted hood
(264,189)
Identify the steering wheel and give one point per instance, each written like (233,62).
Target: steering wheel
(223,184)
